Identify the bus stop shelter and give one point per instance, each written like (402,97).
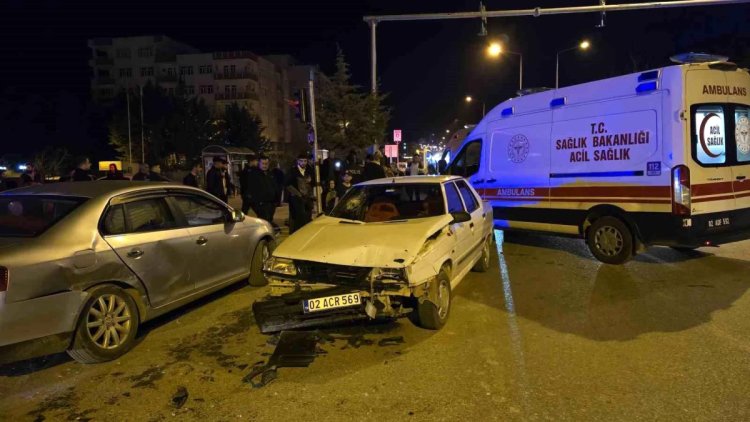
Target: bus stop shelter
(236,158)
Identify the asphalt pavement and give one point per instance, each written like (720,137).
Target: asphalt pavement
(547,334)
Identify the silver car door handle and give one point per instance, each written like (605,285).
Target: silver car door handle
(201,241)
(135,254)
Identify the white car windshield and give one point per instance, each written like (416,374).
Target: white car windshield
(379,203)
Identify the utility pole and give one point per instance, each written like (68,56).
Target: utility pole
(143,141)
(318,195)
(130,139)
(482,14)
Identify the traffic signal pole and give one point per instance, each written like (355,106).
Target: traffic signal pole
(535,12)
(316,165)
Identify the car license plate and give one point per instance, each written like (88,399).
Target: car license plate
(331,302)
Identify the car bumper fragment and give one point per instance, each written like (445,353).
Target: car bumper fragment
(39,317)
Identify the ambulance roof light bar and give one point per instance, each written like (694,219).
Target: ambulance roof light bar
(689,58)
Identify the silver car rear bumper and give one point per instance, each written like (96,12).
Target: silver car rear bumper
(39,317)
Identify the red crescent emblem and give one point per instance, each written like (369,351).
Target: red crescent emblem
(702,139)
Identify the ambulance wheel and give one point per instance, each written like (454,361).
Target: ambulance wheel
(610,240)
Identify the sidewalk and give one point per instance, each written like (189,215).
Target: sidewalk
(280,217)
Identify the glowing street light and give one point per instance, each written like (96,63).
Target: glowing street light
(447,131)
(583,45)
(468,98)
(494,49)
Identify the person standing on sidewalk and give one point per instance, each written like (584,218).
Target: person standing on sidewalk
(82,172)
(262,190)
(372,170)
(346,183)
(299,186)
(245,185)
(218,183)
(192,178)
(144,170)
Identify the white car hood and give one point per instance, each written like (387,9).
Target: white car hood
(328,240)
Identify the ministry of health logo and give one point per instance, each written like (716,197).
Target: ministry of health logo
(742,134)
(518,148)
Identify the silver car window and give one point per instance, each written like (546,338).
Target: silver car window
(149,215)
(199,211)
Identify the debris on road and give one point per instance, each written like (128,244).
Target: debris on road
(294,349)
(179,397)
(299,349)
(391,341)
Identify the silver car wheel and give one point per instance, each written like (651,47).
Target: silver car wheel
(266,252)
(108,321)
(609,240)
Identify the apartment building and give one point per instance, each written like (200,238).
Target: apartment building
(219,78)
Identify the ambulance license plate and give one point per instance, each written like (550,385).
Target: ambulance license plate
(331,302)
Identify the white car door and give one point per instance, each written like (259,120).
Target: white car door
(478,219)
(461,255)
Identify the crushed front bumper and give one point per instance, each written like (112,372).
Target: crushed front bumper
(284,308)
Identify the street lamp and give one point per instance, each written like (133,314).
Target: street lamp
(468,99)
(583,45)
(495,50)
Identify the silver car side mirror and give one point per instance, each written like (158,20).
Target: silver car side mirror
(236,216)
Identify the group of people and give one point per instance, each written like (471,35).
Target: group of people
(338,176)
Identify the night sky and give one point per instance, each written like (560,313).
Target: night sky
(427,67)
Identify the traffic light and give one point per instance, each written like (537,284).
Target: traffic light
(300,105)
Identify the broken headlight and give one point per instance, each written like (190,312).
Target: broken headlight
(283,266)
(389,274)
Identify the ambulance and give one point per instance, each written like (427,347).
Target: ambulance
(660,157)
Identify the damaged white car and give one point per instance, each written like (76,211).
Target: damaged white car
(390,248)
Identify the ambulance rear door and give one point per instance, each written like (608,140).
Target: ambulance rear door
(738,86)
(709,121)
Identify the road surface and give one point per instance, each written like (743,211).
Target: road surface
(547,334)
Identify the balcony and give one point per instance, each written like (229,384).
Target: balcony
(230,55)
(237,75)
(167,78)
(241,95)
(104,80)
(165,57)
(102,61)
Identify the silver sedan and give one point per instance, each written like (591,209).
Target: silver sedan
(82,265)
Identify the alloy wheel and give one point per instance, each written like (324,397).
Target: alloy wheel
(108,321)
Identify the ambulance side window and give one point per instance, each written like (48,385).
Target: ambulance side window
(467,161)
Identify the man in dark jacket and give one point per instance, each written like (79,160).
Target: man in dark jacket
(373,170)
(278,177)
(262,190)
(82,172)
(192,178)
(144,170)
(299,187)
(245,174)
(218,182)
